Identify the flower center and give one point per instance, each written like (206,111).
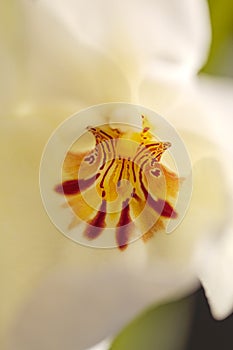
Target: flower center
(118,184)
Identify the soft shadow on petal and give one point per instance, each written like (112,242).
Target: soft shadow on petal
(204,218)
(160,95)
(202,106)
(205,107)
(75,309)
(215,97)
(161,34)
(30,244)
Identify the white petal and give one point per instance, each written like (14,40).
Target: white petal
(104,345)
(215,269)
(75,309)
(170,36)
(52,67)
(203,106)
(214,96)
(32,247)
(207,110)
(204,219)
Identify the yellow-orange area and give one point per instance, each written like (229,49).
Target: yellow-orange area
(119,183)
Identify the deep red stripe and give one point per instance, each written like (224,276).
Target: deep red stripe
(68,187)
(97,224)
(72,187)
(162,207)
(123,229)
(106,172)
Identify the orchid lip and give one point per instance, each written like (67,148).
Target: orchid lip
(114,182)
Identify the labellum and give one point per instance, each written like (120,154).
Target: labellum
(118,184)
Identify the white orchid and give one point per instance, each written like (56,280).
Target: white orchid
(57,58)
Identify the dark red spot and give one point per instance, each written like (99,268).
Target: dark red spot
(123,229)
(97,224)
(146,129)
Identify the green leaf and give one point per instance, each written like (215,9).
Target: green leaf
(221,51)
(159,328)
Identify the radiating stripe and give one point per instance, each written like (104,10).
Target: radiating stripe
(97,224)
(123,228)
(72,187)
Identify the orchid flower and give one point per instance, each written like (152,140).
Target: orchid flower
(59,57)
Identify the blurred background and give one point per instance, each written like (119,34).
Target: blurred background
(154,328)
(221,51)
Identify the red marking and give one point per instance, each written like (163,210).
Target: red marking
(104,133)
(153,144)
(72,187)
(155,172)
(145,161)
(133,170)
(68,187)
(123,229)
(144,190)
(162,207)
(146,129)
(139,152)
(158,156)
(107,145)
(104,160)
(106,172)
(121,172)
(168,211)
(90,159)
(134,195)
(154,160)
(113,147)
(97,224)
